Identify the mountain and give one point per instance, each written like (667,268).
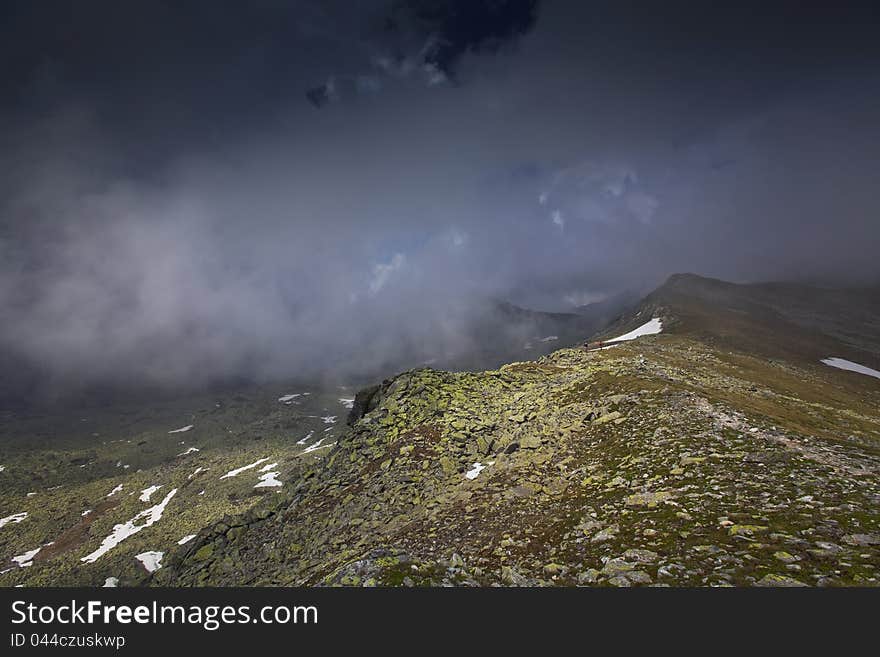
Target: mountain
(720,451)
(799,322)
(724,435)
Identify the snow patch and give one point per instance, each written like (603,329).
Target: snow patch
(114,491)
(477,468)
(151,560)
(347,403)
(266,468)
(182,429)
(15,518)
(550,338)
(26,559)
(843,364)
(330,419)
(147,492)
(653,327)
(288,399)
(238,471)
(146,517)
(189,451)
(186,539)
(316,446)
(269,480)
(111,583)
(303,441)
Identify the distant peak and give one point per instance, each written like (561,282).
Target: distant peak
(690,277)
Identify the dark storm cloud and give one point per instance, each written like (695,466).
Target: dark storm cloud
(174,209)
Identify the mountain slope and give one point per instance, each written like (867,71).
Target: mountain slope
(719,452)
(797,322)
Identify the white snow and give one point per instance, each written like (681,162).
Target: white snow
(120,532)
(195,472)
(2,468)
(186,539)
(30,494)
(86,512)
(238,471)
(652,327)
(189,451)
(269,480)
(348,403)
(151,560)
(477,468)
(330,419)
(147,492)
(844,364)
(286,399)
(26,559)
(15,518)
(303,441)
(114,491)
(316,446)
(550,338)
(182,429)
(266,468)
(111,583)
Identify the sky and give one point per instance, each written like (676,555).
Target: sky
(197,190)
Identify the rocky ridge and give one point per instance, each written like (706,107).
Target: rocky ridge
(664,461)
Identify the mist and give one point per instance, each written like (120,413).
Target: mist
(175,212)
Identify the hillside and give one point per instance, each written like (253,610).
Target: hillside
(798,322)
(719,451)
(684,458)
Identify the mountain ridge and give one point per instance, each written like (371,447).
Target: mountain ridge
(664,460)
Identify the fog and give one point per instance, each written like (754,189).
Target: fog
(175,207)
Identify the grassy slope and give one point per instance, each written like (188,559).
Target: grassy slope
(719,452)
(76,471)
(663,460)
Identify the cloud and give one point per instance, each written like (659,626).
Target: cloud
(383,272)
(188,216)
(579,298)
